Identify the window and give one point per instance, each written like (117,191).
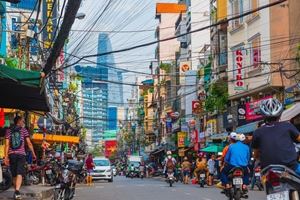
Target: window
(236,9)
(253,6)
(255,52)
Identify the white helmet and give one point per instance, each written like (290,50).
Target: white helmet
(169,153)
(233,135)
(271,108)
(242,137)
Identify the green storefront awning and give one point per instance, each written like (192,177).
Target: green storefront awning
(213,149)
(20,89)
(24,77)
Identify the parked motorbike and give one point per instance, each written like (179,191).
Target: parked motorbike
(281,183)
(66,182)
(202,178)
(236,191)
(142,174)
(257,179)
(81,176)
(5,177)
(170,177)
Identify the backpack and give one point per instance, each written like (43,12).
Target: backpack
(15,138)
(170,163)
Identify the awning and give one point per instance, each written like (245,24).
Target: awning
(21,90)
(248,128)
(38,137)
(213,149)
(291,112)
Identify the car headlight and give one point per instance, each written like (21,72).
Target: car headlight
(109,170)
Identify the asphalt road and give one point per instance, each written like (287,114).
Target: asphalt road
(151,189)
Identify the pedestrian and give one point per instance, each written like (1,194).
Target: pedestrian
(211,164)
(15,154)
(89,164)
(186,170)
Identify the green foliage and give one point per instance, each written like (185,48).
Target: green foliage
(166,67)
(97,151)
(217,97)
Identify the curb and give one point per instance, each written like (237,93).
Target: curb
(42,195)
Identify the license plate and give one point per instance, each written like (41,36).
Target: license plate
(48,172)
(202,175)
(257,174)
(237,181)
(279,196)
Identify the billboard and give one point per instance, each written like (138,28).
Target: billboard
(181,139)
(253,109)
(110,147)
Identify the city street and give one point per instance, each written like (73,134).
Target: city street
(150,189)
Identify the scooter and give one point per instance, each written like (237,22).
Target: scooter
(170,177)
(5,177)
(257,179)
(281,183)
(236,191)
(202,178)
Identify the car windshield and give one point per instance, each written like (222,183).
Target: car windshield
(101,162)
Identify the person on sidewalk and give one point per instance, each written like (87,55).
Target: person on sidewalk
(211,164)
(186,170)
(15,154)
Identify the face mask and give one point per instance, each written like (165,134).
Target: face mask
(169,157)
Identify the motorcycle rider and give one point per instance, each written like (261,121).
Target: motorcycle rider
(201,165)
(169,163)
(273,143)
(238,155)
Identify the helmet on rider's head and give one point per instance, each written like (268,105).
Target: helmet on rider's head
(169,153)
(185,158)
(201,155)
(241,137)
(233,136)
(271,108)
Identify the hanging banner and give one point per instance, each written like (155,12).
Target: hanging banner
(181,139)
(253,110)
(110,147)
(238,72)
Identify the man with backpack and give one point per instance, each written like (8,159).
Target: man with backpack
(15,154)
(169,162)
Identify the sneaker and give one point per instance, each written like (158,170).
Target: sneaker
(17,195)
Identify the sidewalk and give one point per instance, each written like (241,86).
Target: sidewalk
(34,192)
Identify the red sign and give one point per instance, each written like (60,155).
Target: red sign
(252,109)
(239,82)
(2,117)
(196,107)
(110,147)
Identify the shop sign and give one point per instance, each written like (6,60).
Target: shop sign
(290,94)
(2,117)
(241,114)
(184,127)
(181,139)
(211,127)
(175,125)
(253,109)
(202,96)
(196,107)
(184,67)
(49,18)
(192,123)
(238,70)
(181,152)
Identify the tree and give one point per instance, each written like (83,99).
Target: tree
(217,97)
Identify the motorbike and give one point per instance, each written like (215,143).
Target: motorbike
(81,176)
(257,179)
(281,183)
(179,175)
(142,174)
(66,181)
(5,177)
(236,191)
(202,178)
(170,177)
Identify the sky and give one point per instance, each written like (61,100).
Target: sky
(120,16)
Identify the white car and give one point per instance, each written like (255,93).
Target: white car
(102,170)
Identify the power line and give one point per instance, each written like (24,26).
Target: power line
(225,21)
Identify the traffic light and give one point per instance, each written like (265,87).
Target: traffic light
(12,1)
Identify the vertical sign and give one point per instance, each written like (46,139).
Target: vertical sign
(239,83)
(181,139)
(49,20)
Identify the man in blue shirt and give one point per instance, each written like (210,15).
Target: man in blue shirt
(238,155)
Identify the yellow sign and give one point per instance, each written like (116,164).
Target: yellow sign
(181,152)
(211,126)
(181,139)
(1,151)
